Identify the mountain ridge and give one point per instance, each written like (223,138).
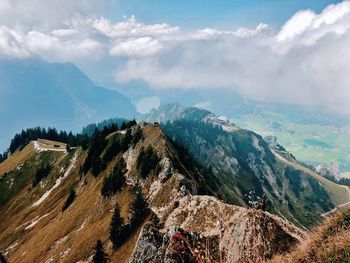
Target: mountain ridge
(205,195)
(70,235)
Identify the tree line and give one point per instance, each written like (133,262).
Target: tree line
(118,122)
(101,151)
(342,180)
(25,136)
(119,230)
(95,161)
(83,139)
(3,156)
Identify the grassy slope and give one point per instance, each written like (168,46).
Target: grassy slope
(67,236)
(78,228)
(330,242)
(17,158)
(338,193)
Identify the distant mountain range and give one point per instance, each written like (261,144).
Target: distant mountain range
(34,92)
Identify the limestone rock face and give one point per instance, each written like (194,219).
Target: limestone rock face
(148,245)
(203,229)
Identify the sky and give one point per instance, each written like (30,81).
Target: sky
(222,14)
(291,51)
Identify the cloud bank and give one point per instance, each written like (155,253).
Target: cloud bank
(306,61)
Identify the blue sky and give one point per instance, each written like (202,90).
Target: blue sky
(224,14)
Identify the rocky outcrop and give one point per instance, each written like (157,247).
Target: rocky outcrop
(203,229)
(174,245)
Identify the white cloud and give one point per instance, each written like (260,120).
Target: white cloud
(307,27)
(35,27)
(10,44)
(306,61)
(130,27)
(296,25)
(38,13)
(142,46)
(209,33)
(52,47)
(64,32)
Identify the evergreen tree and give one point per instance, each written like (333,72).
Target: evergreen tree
(116,228)
(132,123)
(127,125)
(93,160)
(138,209)
(106,186)
(100,255)
(96,166)
(22,139)
(70,199)
(147,161)
(123,126)
(114,181)
(41,173)
(112,149)
(70,139)
(3,258)
(3,156)
(83,141)
(112,125)
(126,140)
(137,135)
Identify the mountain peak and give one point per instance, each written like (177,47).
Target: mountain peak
(175,111)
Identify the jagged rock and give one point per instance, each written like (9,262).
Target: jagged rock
(202,227)
(149,242)
(174,246)
(167,171)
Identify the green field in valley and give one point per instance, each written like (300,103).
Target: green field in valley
(308,143)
